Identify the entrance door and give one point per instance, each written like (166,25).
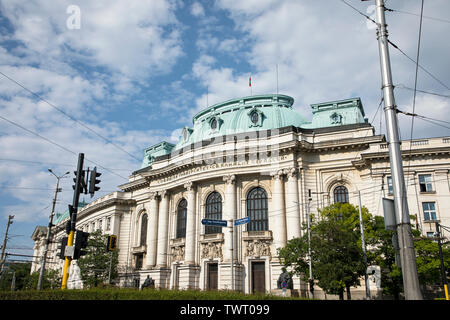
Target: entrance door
(212,276)
(258,277)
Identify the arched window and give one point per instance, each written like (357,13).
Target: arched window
(213,211)
(144,220)
(181,218)
(341,194)
(257,210)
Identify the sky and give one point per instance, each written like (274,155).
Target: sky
(109,78)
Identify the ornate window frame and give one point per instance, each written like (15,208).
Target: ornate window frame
(259,121)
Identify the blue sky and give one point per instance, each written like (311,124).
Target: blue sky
(135,72)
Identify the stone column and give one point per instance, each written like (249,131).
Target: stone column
(292,205)
(277,216)
(163,230)
(152,231)
(189,257)
(229,214)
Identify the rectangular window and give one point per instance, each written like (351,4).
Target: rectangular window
(430,234)
(108,223)
(389,185)
(425,183)
(429,211)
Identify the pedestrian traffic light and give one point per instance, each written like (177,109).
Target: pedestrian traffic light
(311,285)
(93,181)
(81,242)
(62,248)
(111,243)
(82,182)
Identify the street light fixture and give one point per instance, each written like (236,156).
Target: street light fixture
(49,229)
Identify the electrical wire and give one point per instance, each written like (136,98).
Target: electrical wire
(415,80)
(68,116)
(428,72)
(418,15)
(58,145)
(401,86)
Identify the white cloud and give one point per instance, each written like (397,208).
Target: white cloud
(197,10)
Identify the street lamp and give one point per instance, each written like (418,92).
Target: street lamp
(50,224)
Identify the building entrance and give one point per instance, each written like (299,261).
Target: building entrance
(258,277)
(212,283)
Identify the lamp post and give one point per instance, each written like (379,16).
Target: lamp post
(50,225)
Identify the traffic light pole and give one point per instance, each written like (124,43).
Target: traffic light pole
(73,218)
(407,254)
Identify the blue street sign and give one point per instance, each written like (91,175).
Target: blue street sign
(211,222)
(241,221)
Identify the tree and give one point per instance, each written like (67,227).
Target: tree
(94,266)
(20,272)
(52,280)
(428,261)
(337,257)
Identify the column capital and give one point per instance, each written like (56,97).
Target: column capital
(291,172)
(229,178)
(189,186)
(163,193)
(153,195)
(277,175)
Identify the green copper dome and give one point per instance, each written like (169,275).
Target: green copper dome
(254,113)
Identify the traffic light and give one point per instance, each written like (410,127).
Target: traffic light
(111,244)
(82,182)
(62,249)
(93,181)
(311,285)
(81,242)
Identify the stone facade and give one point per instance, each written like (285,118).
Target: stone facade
(170,198)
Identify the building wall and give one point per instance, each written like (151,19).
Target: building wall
(354,158)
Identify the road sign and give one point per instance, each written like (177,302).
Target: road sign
(241,221)
(211,222)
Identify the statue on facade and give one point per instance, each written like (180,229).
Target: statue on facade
(148,283)
(285,280)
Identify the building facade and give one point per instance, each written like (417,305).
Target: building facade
(254,157)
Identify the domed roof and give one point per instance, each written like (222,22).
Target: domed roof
(253,113)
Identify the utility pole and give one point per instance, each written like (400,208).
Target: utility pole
(49,230)
(407,254)
(363,245)
(5,240)
(308,219)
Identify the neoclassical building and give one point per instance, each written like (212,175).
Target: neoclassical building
(253,157)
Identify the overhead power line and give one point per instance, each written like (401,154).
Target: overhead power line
(418,15)
(415,62)
(68,115)
(58,145)
(401,86)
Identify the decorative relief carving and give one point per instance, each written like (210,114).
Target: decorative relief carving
(177,253)
(258,248)
(153,195)
(229,179)
(290,172)
(189,186)
(277,175)
(163,193)
(211,250)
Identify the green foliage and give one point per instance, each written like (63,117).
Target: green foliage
(51,280)
(337,257)
(133,294)
(94,266)
(21,272)
(428,260)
